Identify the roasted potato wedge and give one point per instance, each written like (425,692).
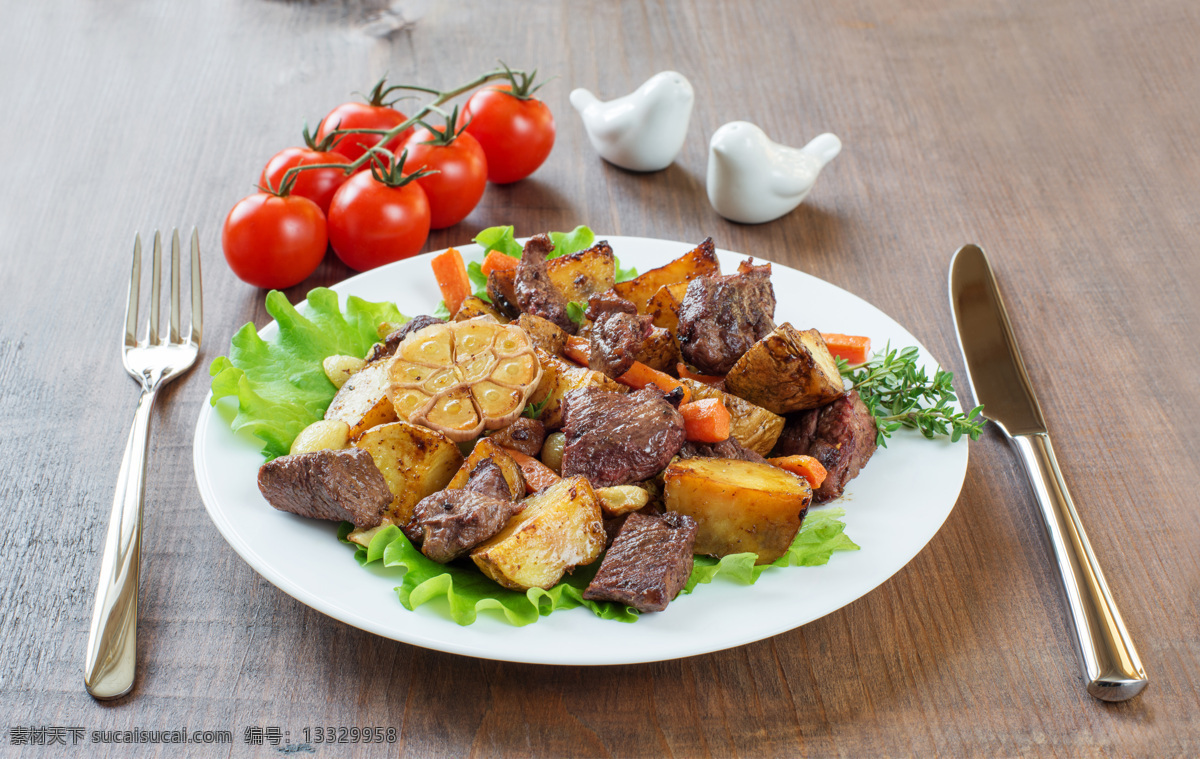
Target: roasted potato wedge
(699,262)
(559,377)
(752,426)
(664,305)
(788,370)
(415,461)
(472,307)
(559,529)
(660,351)
(544,333)
(486,448)
(362,402)
(739,506)
(583,274)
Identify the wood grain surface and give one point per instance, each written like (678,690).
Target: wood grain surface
(1064,137)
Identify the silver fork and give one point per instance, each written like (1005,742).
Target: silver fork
(153,361)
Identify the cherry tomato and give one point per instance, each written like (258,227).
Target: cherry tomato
(362,116)
(371,224)
(274,242)
(318,185)
(516,135)
(462,169)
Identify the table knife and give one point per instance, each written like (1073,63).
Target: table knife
(998,380)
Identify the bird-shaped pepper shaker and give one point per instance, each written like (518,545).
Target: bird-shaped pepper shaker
(644,130)
(753,180)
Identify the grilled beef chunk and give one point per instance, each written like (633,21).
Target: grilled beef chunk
(338,485)
(392,341)
(844,443)
(619,438)
(722,316)
(799,432)
(524,435)
(726,449)
(535,293)
(502,289)
(648,563)
(617,333)
(449,523)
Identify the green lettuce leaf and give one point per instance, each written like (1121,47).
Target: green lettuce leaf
(565,243)
(279,384)
(822,533)
(465,591)
(478,281)
(624,275)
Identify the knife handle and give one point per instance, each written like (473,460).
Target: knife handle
(1110,662)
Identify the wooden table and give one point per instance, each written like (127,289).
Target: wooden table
(1063,137)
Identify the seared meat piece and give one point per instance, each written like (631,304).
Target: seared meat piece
(799,432)
(392,341)
(619,438)
(448,524)
(648,563)
(722,316)
(502,289)
(525,435)
(535,293)
(617,333)
(338,485)
(844,443)
(726,449)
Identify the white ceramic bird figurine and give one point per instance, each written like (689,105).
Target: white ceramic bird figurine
(644,130)
(752,179)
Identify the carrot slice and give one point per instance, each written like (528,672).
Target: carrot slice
(497,261)
(640,375)
(706,421)
(578,349)
(853,348)
(805,466)
(451,275)
(708,379)
(537,475)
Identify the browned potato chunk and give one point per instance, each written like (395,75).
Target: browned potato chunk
(362,402)
(700,261)
(739,506)
(752,426)
(544,333)
(664,305)
(787,370)
(559,529)
(583,274)
(660,351)
(472,307)
(560,377)
(486,448)
(415,461)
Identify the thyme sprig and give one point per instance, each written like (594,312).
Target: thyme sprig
(899,393)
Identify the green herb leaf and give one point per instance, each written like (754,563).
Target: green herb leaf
(499,238)
(441,311)
(575,311)
(478,281)
(279,384)
(898,393)
(624,275)
(566,243)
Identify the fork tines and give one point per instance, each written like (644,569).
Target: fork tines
(173,336)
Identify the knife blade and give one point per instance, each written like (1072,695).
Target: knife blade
(998,380)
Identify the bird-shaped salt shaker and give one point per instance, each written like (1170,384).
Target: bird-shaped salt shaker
(753,180)
(641,131)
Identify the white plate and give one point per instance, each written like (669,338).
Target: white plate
(893,507)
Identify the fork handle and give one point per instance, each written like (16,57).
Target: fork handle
(1111,665)
(112,643)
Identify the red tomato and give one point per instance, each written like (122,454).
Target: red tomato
(461,179)
(274,242)
(371,224)
(318,185)
(362,116)
(516,135)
